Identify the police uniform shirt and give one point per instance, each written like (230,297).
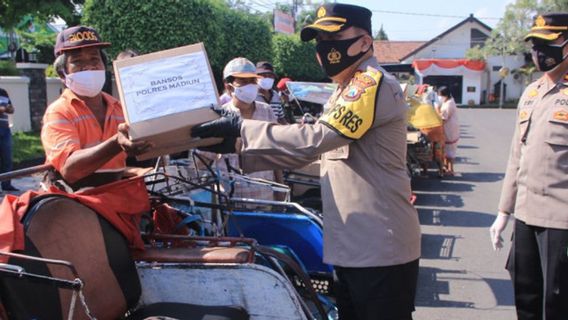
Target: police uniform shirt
(368,218)
(535,187)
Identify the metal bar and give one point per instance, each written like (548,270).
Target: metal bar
(302,182)
(50,261)
(295,205)
(60,283)
(24,172)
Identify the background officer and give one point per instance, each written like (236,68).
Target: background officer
(535,188)
(371,231)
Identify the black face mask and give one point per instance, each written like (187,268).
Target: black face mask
(547,57)
(334,57)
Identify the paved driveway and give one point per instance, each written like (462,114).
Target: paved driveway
(461,277)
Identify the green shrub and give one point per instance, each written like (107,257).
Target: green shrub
(27,146)
(50,72)
(154,25)
(8,68)
(245,35)
(296,59)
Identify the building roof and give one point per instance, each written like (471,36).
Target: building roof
(471,18)
(393,51)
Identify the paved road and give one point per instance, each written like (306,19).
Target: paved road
(461,277)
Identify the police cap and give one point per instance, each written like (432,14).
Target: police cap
(549,26)
(336,17)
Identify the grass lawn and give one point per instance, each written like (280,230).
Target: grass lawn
(27,146)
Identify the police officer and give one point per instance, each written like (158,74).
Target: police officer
(371,230)
(535,188)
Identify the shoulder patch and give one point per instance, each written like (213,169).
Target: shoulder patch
(533,93)
(353,113)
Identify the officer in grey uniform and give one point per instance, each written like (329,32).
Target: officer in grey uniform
(535,188)
(371,230)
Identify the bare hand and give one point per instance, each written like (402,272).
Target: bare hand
(129,146)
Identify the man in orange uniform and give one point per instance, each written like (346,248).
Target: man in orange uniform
(83,133)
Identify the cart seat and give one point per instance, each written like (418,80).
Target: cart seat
(57,227)
(193,255)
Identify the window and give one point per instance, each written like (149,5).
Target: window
(477,38)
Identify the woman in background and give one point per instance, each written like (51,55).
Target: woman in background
(448,112)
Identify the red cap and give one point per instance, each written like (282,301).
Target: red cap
(282,84)
(77,37)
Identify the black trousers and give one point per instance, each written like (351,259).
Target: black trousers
(376,293)
(538,264)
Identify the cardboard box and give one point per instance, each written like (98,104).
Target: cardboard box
(164,94)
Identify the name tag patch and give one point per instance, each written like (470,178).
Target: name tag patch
(523,115)
(561,115)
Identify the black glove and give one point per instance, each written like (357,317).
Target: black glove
(226,146)
(229,125)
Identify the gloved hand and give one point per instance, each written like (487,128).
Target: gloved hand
(226,146)
(229,125)
(497,229)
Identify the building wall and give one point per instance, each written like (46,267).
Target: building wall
(451,46)
(516,86)
(54,87)
(455,45)
(18,90)
(472,80)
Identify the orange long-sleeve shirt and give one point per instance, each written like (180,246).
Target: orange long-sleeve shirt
(69,125)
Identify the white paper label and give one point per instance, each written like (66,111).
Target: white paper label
(167,86)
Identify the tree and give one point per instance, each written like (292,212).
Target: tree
(475,53)
(154,25)
(12,11)
(508,36)
(381,34)
(296,59)
(36,37)
(306,16)
(554,6)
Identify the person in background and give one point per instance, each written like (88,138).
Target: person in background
(371,230)
(288,105)
(6,138)
(266,92)
(431,97)
(127,53)
(226,96)
(535,188)
(241,78)
(449,113)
